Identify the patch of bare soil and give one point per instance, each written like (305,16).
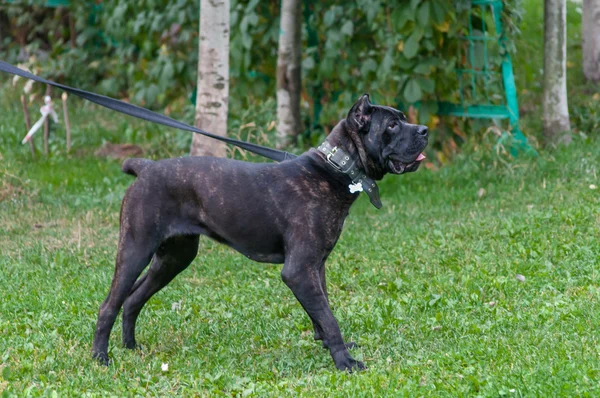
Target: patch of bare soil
(119,151)
(8,190)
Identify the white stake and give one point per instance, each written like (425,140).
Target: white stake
(46,110)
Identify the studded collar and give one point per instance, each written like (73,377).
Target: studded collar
(342,162)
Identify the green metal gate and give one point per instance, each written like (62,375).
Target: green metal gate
(475,73)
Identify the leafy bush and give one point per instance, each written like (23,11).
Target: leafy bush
(146,50)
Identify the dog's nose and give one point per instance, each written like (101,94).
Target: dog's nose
(422,131)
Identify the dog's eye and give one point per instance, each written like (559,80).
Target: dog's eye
(392,125)
(387,137)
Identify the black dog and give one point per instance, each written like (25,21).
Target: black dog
(290,213)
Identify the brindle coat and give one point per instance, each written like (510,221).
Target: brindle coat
(290,213)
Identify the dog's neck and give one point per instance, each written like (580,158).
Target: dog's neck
(345,153)
(344,137)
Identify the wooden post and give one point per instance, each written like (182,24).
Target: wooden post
(28,124)
(72,34)
(67,125)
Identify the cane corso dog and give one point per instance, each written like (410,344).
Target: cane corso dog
(290,212)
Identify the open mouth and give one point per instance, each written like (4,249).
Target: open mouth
(399,167)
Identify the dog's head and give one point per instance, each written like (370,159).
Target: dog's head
(391,143)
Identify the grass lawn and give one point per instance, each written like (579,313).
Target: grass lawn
(427,286)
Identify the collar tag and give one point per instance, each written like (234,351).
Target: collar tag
(356,187)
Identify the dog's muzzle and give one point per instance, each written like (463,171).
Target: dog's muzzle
(399,167)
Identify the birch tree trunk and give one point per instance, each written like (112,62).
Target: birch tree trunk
(556,111)
(590,33)
(289,85)
(213,78)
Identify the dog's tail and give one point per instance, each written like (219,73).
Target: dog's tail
(134,166)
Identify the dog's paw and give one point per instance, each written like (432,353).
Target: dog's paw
(133,346)
(343,361)
(102,358)
(350,365)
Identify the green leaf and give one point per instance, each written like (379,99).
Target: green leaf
(434,300)
(418,31)
(439,11)
(411,46)
(386,65)
(252,5)
(423,14)
(368,66)
(308,63)
(152,93)
(348,28)
(329,17)
(247,41)
(404,63)
(478,55)
(244,26)
(333,38)
(234,18)
(253,18)
(427,109)
(429,45)
(372,9)
(326,67)
(450,65)
(400,16)
(401,79)
(167,72)
(412,91)
(6,373)
(428,85)
(414,4)
(423,68)
(139,95)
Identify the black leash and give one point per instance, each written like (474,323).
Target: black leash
(145,114)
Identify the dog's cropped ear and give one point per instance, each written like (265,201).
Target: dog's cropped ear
(359,117)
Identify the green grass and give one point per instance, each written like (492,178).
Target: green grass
(412,283)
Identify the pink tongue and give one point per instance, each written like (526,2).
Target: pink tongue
(420,157)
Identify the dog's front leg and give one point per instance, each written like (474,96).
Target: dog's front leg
(301,274)
(318,332)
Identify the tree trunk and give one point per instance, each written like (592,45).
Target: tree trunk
(213,78)
(590,33)
(289,85)
(556,111)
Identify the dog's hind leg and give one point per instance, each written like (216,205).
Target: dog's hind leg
(132,257)
(173,256)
